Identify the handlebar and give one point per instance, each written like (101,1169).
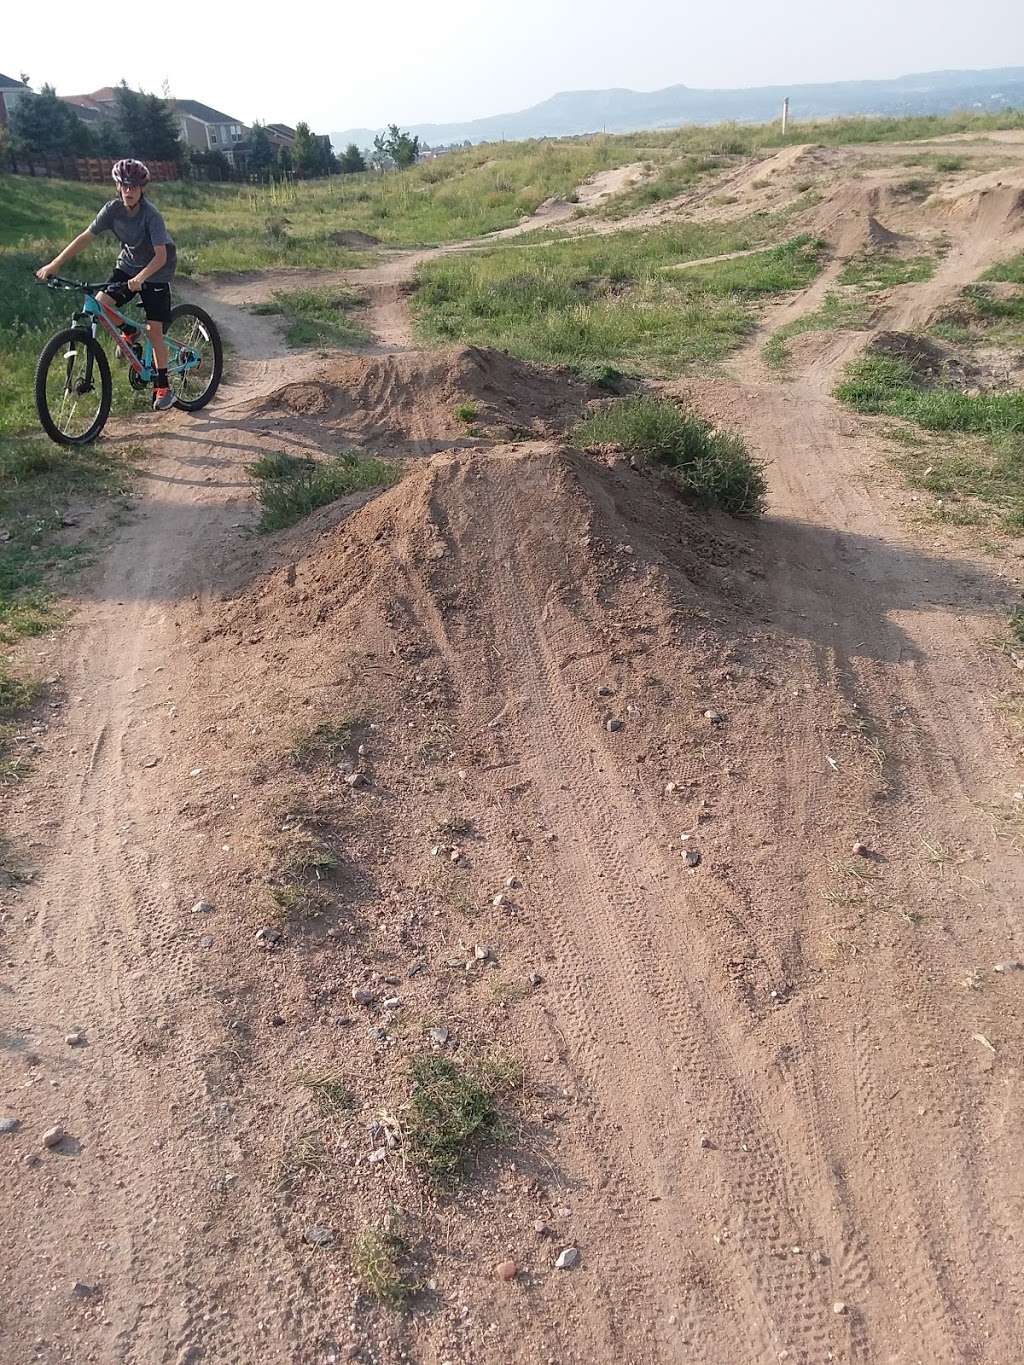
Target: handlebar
(59,282)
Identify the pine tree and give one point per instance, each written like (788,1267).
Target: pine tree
(352,160)
(146,126)
(260,157)
(45,126)
(306,152)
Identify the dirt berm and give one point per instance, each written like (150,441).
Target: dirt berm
(559,670)
(422,399)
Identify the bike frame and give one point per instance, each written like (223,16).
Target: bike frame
(105,315)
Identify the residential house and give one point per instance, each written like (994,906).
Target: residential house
(281,135)
(93,109)
(207,130)
(11,94)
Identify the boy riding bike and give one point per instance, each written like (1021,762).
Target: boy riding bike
(145,265)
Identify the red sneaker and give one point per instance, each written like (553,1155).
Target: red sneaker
(162,399)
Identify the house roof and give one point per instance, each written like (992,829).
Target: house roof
(7,83)
(203,112)
(281,128)
(97,100)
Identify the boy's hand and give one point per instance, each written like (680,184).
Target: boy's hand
(45,271)
(136,282)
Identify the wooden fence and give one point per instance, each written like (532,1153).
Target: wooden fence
(96,170)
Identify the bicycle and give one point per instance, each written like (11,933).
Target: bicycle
(73,408)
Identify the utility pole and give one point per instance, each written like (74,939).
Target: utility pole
(785,116)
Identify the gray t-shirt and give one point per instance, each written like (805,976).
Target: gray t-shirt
(138,233)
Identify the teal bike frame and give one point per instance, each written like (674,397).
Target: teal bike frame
(95,314)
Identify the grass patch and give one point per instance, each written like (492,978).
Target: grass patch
(1010,272)
(979,482)
(984,315)
(881,270)
(330,1091)
(289,487)
(713,466)
(16,697)
(38,481)
(670,180)
(884,384)
(325,743)
(840,311)
(316,317)
(1015,626)
(377,1262)
(450,1113)
(609,301)
(467,412)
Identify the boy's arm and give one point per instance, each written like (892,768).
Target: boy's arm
(157,263)
(73,249)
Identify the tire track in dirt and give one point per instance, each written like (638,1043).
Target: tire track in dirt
(623,939)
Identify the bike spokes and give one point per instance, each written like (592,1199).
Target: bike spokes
(73,393)
(192,360)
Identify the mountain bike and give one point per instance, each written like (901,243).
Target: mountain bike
(73,385)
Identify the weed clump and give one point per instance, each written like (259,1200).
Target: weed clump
(450,1113)
(376,1260)
(713,466)
(290,487)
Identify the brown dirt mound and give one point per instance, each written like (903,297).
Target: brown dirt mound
(412,398)
(849,219)
(881,237)
(987,201)
(559,667)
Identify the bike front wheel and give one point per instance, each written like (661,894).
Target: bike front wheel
(73,389)
(195,356)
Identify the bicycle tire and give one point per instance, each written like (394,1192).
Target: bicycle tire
(46,356)
(182,310)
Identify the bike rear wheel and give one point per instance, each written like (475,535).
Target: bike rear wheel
(73,389)
(196,357)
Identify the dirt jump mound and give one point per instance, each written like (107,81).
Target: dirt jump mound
(421,399)
(929,362)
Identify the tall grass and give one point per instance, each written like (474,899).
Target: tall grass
(888,385)
(610,300)
(713,466)
(289,488)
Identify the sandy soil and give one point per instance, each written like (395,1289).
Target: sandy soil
(773,1098)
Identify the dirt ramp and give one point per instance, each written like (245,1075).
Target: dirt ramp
(418,399)
(588,511)
(851,219)
(990,203)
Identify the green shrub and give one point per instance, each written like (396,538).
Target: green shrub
(711,465)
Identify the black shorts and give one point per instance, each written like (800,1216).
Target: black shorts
(156,298)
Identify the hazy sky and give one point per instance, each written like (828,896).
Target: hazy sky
(340,65)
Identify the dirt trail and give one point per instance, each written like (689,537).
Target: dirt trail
(773,1097)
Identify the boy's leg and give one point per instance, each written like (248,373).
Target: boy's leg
(156,336)
(162,395)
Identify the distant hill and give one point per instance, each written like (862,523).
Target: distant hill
(627,111)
